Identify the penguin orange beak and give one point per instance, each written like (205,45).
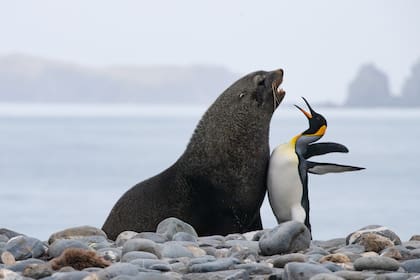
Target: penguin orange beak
(307,114)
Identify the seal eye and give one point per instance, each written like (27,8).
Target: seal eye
(242,94)
(259,80)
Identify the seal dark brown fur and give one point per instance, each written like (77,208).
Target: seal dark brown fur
(78,259)
(218,184)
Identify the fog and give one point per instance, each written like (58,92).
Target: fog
(321,45)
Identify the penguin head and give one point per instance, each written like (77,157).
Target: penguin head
(317,124)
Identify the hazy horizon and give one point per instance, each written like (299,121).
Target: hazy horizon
(321,45)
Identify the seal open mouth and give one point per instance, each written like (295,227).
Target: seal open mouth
(278,92)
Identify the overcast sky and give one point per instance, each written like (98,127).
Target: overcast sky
(320,44)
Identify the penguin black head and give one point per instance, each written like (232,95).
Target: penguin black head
(317,122)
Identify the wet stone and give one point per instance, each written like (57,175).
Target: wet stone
(76,233)
(326,276)
(415,237)
(333,267)
(330,244)
(9,233)
(175,251)
(72,275)
(376,263)
(244,244)
(153,236)
(392,252)
(353,238)
(391,276)
(141,244)
(235,236)
(219,264)
(21,265)
(9,275)
(170,226)
(412,266)
(110,254)
(148,263)
(118,269)
(255,268)
(183,236)
(288,237)
(7,258)
(302,271)
(202,259)
(37,271)
(235,274)
(354,275)
(129,256)
(124,236)
(281,261)
(58,246)
(24,247)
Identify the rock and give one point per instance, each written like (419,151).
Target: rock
(155,237)
(281,261)
(152,264)
(411,266)
(196,251)
(302,271)
(76,233)
(392,252)
(21,265)
(118,269)
(7,258)
(141,244)
(183,236)
(219,264)
(124,236)
(354,275)
(170,226)
(23,247)
(71,275)
(37,271)
(202,259)
(374,242)
(336,258)
(152,276)
(234,274)
(391,276)
(411,245)
(255,268)
(110,254)
(251,235)
(354,249)
(245,244)
(354,237)
(215,241)
(6,274)
(129,256)
(58,246)
(376,263)
(330,244)
(415,238)
(235,236)
(326,276)
(175,251)
(333,267)
(9,233)
(288,237)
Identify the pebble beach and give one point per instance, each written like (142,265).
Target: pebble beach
(175,251)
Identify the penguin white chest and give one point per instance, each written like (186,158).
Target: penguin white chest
(284,185)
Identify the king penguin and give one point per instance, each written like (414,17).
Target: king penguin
(287,179)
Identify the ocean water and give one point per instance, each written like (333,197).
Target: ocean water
(66,165)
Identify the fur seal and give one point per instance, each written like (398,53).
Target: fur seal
(219,182)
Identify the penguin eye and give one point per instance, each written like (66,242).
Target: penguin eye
(242,94)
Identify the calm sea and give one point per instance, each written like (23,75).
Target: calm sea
(66,165)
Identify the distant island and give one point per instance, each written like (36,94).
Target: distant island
(28,79)
(370,88)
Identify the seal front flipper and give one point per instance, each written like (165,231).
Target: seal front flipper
(321,168)
(324,148)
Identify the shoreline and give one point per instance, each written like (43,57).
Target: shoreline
(175,251)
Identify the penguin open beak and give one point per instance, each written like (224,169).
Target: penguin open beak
(311,112)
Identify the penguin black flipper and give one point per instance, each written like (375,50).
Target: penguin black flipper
(324,148)
(321,168)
